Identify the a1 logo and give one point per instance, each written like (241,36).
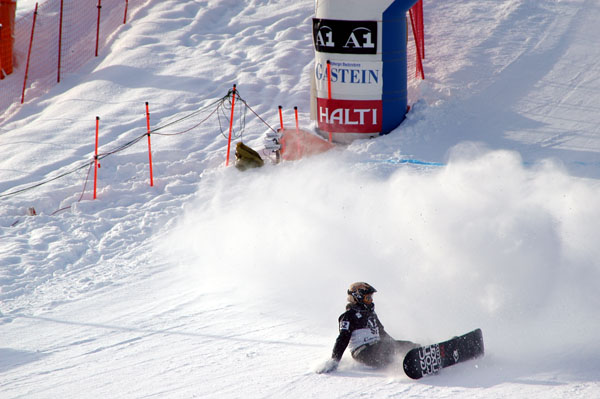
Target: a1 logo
(366,40)
(338,36)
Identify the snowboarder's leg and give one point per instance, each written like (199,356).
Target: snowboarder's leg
(402,347)
(377,355)
(382,353)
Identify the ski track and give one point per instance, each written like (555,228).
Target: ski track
(218,284)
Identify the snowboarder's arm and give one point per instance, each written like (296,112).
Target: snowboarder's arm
(338,350)
(341,343)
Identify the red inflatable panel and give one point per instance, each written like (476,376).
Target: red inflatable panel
(300,144)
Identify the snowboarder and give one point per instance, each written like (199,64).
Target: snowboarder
(361,330)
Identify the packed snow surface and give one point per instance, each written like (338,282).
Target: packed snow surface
(220,284)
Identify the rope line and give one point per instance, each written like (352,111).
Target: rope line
(405,161)
(258,116)
(218,107)
(4,195)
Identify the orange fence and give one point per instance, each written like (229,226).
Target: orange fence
(7,28)
(67,34)
(418,30)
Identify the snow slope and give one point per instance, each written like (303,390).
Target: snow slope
(216,283)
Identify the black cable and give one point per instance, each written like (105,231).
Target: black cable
(190,115)
(114,151)
(220,109)
(258,116)
(44,182)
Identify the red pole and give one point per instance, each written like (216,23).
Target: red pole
(96,164)
(421,27)
(1,55)
(149,146)
(230,126)
(329,91)
(125,16)
(297,132)
(328,80)
(29,53)
(282,141)
(98,26)
(296,114)
(60,26)
(280,118)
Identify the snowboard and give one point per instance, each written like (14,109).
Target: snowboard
(430,359)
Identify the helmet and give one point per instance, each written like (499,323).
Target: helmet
(358,291)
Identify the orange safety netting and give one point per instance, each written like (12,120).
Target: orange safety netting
(67,34)
(418,30)
(7,27)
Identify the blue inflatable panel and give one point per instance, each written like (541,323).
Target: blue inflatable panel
(394,93)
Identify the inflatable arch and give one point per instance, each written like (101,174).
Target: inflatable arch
(359,83)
